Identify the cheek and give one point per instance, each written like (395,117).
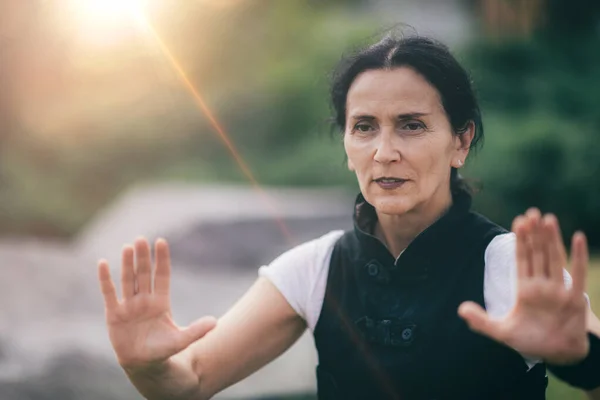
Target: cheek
(431,161)
(354,153)
(439,165)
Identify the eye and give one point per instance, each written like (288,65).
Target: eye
(414,126)
(363,127)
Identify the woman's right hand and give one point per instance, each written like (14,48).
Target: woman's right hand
(140,325)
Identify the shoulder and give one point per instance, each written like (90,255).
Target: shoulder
(501,250)
(300,274)
(481,233)
(480,223)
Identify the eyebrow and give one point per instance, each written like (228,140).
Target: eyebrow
(400,117)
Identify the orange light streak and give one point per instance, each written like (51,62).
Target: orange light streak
(383,378)
(215,124)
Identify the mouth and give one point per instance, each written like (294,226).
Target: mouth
(388,179)
(389,182)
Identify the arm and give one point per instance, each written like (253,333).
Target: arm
(550,320)
(173,379)
(268,319)
(168,362)
(259,328)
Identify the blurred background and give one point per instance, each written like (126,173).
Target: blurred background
(207,122)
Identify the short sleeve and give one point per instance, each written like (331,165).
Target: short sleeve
(300,274)
(500,281)
(500,275)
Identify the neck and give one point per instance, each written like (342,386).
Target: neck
(398,231)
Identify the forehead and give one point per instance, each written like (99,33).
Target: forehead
(397,90)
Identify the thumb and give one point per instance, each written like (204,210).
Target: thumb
(196,331)
(479,321)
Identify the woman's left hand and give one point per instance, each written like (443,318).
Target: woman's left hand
(548,320)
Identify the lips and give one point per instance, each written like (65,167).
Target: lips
(389,182)
(387,179)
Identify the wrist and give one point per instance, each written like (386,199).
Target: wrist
(147,370)
(584,374)
(575,355)
(172,379)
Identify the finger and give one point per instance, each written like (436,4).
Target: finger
(196,331)
(579,262)
(127,272)
(523,264)
(536,241)
(143,265)
(107,286)
(480,322)
(163,268)
(557,254)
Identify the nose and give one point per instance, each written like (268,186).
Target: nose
(386,151)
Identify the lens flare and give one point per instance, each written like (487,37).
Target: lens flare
(107,9)
(104,21)
(130,13)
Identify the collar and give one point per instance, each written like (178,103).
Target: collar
(417,261)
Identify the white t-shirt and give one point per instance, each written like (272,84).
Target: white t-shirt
(300,274)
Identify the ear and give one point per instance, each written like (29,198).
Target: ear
(462,143)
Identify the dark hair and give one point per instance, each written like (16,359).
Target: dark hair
(436,64)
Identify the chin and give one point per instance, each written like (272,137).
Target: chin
(391,204)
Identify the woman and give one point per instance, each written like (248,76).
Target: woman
(390,302)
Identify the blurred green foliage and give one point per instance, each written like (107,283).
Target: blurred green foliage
(540,103)
(264,71)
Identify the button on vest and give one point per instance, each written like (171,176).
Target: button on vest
(389,328)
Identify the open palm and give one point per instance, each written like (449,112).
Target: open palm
(140,326)
(548,320)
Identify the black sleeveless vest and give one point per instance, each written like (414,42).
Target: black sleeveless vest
(389,329)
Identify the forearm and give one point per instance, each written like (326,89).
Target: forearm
(173,380)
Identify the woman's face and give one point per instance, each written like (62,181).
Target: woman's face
(396,128)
